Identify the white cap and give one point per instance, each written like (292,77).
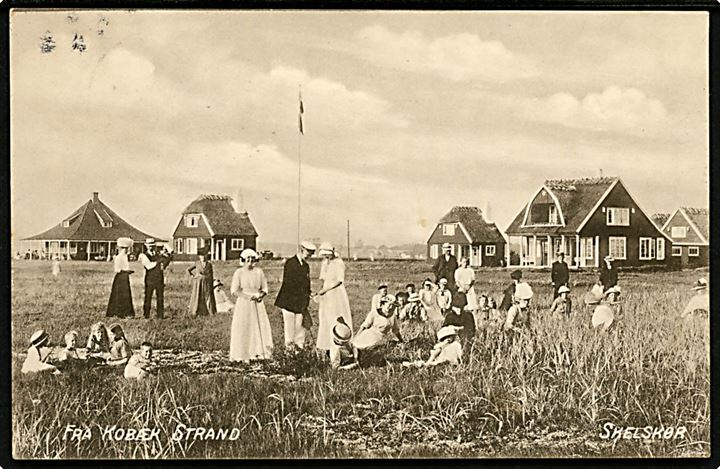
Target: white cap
(446,246)
(447,331)
(246,253)
(308,245)
(150,242)
(124,242)
(563,289)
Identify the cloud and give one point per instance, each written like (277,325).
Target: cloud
(457,57)
(614,109)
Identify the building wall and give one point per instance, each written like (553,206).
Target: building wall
(498,259)
(685,260)
(231,254)
(640,226)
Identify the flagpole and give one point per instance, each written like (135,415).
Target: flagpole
(300,133)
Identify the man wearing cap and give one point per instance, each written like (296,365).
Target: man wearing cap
(445,267)
(560,274)
(294,295)
(154,264)
(608,274)
(508,293)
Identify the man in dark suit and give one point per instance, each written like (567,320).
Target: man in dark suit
(508,293)
(445,267)
(154,264)
(560,274)
(294,296)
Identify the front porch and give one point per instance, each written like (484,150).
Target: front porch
(538,250)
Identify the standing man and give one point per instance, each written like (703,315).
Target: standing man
(560,273)
(154,265)
(608,274)
(445,267)
(294,295)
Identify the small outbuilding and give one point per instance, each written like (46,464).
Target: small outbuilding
(689,229)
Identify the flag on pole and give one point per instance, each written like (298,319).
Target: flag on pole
(300,121)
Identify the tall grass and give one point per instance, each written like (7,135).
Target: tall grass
(543,393)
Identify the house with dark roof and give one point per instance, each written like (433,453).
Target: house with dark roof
(587,219)
(689,229)
(469,235)
(89,233)
(211,222)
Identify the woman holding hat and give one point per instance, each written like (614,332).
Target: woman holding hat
(250,333)
(202,299)
(120,304)
(332,297)
(700,303)
(38,355)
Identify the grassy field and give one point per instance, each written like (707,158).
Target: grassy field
(544,394)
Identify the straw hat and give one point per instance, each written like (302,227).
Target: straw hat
(523,291)
(563,289)
(248,253)
(701,284)
(615,289)
(326,248)
(124,242)
(447,331)
(150,242)
(446,246)
(609,258)
(443,281)
(341,332)
(381,286)
(39,337)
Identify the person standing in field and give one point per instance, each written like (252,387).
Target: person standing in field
(700,303)
(444,297)
(608,274)
(293,298)
(250,333)
(152,262)
(120,304)
(332,297)
(465,281)
(560,274)
(445,267)
(56,265)
(202,299)
(508,293)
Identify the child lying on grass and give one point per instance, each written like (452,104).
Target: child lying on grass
(138,367)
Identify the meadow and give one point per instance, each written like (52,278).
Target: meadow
(546,393)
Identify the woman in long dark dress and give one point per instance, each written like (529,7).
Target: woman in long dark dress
(202,300)
(120,304)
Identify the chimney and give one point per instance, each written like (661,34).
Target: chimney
(238,202)
(486,211)
(95,197)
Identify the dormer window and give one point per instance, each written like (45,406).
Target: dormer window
(544,214)
(552,215)
(679,232)
(448,229)
(191,221)
(107,224)
(66,223)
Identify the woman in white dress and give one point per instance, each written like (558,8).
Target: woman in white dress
(465,281)
(332,297)
(250,334)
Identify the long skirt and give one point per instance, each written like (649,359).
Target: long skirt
(120,304)
(250,334)
(332,304)
(202,298)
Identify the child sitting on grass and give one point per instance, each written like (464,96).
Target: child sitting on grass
(412,309)
(562,305)
(120,350)
(98,343)
(39,354)
(222,303)
(458,316)
(138,367)
(375,332)
(342,355)
(70,352)
(447,350)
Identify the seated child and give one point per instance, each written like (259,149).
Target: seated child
(448,349)
(412,310)
(70,352)
(138,367)
(381,293)
(444,296)
(606,312)
(410,289)
(342,355)
(223,304)
(120,350)
(458,316)
(99,341)
(562,305)
(375,331)
(39,354)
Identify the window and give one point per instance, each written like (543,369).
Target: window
(647,249)
(66,223)
(552,215)
(191,246)
(202,242)
(677,251)
(693,251)
(618,216)
(589,248)
(179,245)
(489,249)
(617,247)
(679,231)
(191,221)
(107,224)
(448,229)
(660,249)
(237,244)
(434,251)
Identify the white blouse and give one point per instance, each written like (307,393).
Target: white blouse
(121,262)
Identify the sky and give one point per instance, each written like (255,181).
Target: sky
(407,114)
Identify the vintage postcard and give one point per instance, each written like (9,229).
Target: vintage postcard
(353,234)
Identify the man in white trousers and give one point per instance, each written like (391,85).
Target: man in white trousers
(294,295)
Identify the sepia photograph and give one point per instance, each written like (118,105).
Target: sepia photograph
(243,234)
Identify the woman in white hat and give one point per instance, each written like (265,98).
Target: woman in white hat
(250,333)
(606,312)
(700,303)
(332,297)
(39,354)
(120,304)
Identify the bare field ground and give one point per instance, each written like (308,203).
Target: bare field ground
(546,393)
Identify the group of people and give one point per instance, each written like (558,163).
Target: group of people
(105,347)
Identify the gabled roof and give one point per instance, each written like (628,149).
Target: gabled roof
(85,224)
(578,199)
(700,217)
(220,216)
(697,218)
(474,223)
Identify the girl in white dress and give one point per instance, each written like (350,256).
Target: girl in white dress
(332,297)
(250,333)
(465,281)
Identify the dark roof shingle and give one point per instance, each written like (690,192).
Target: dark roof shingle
(223,219)
(701,218)
(474,222)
